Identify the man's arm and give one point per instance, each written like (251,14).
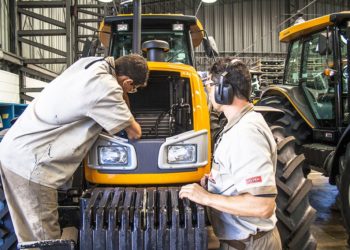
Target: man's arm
(133,130)
(240,205)
(126,99)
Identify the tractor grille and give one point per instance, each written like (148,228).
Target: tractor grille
(154,124)
(141,218)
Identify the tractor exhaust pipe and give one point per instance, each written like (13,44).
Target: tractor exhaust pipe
(136,43)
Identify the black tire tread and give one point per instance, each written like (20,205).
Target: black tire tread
(294,213)
(299,195)
(343,185)
(292,122)
(292,166)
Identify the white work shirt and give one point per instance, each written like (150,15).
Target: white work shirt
(50,139)
(244,162)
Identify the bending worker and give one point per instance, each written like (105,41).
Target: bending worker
(45,146)
(241,186)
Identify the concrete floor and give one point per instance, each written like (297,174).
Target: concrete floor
(327,228)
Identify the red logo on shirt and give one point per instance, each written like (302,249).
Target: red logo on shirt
(252,180)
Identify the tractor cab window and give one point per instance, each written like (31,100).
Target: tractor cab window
(178,49)
(293,64)
(320,94)
(344,64)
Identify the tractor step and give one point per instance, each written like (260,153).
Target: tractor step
(141,218)
(48,245)
(316,155)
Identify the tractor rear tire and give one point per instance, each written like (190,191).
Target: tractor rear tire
(292,123)
(294,213)
(343,184)
(8,239)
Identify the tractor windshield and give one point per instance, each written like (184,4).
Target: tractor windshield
(178,40)
(293,64)
(318,56)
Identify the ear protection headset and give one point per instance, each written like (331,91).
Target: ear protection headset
(224,92)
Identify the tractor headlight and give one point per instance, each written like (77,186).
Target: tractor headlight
(186,150)
(113,155)
(182,153)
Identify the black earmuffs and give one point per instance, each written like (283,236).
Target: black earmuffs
(223,92)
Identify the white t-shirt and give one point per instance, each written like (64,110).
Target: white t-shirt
(50,139)
(244,162)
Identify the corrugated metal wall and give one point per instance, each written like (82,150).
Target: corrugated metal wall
(57,42)
(248,26)
(9,87)
(5,26)
(239,26)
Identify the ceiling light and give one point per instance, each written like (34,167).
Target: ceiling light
(105,1)
(209,1)
(123,2)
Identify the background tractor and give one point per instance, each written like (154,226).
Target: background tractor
(315,98)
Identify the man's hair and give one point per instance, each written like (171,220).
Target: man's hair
(237,76)
(134,66)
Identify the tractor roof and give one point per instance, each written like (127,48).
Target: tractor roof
(154,20)
(313,25)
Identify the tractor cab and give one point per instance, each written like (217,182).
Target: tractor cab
(182,33)
(318,65)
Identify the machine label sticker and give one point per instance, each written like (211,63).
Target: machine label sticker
(254,179)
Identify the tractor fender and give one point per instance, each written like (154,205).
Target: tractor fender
(270,114)
(296,97)
(341,146)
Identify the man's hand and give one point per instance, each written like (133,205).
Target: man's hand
(204,181)
(195,193)
(134,131)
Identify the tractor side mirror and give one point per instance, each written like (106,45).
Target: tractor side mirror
(210,47)
(323,45)
(90,47)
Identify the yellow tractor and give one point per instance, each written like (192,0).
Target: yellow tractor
(174,148)
(128,190)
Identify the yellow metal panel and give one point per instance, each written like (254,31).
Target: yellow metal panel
(104,34)
(304,28)
(200,121)
(197,33)
(285,94)
(196,30)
